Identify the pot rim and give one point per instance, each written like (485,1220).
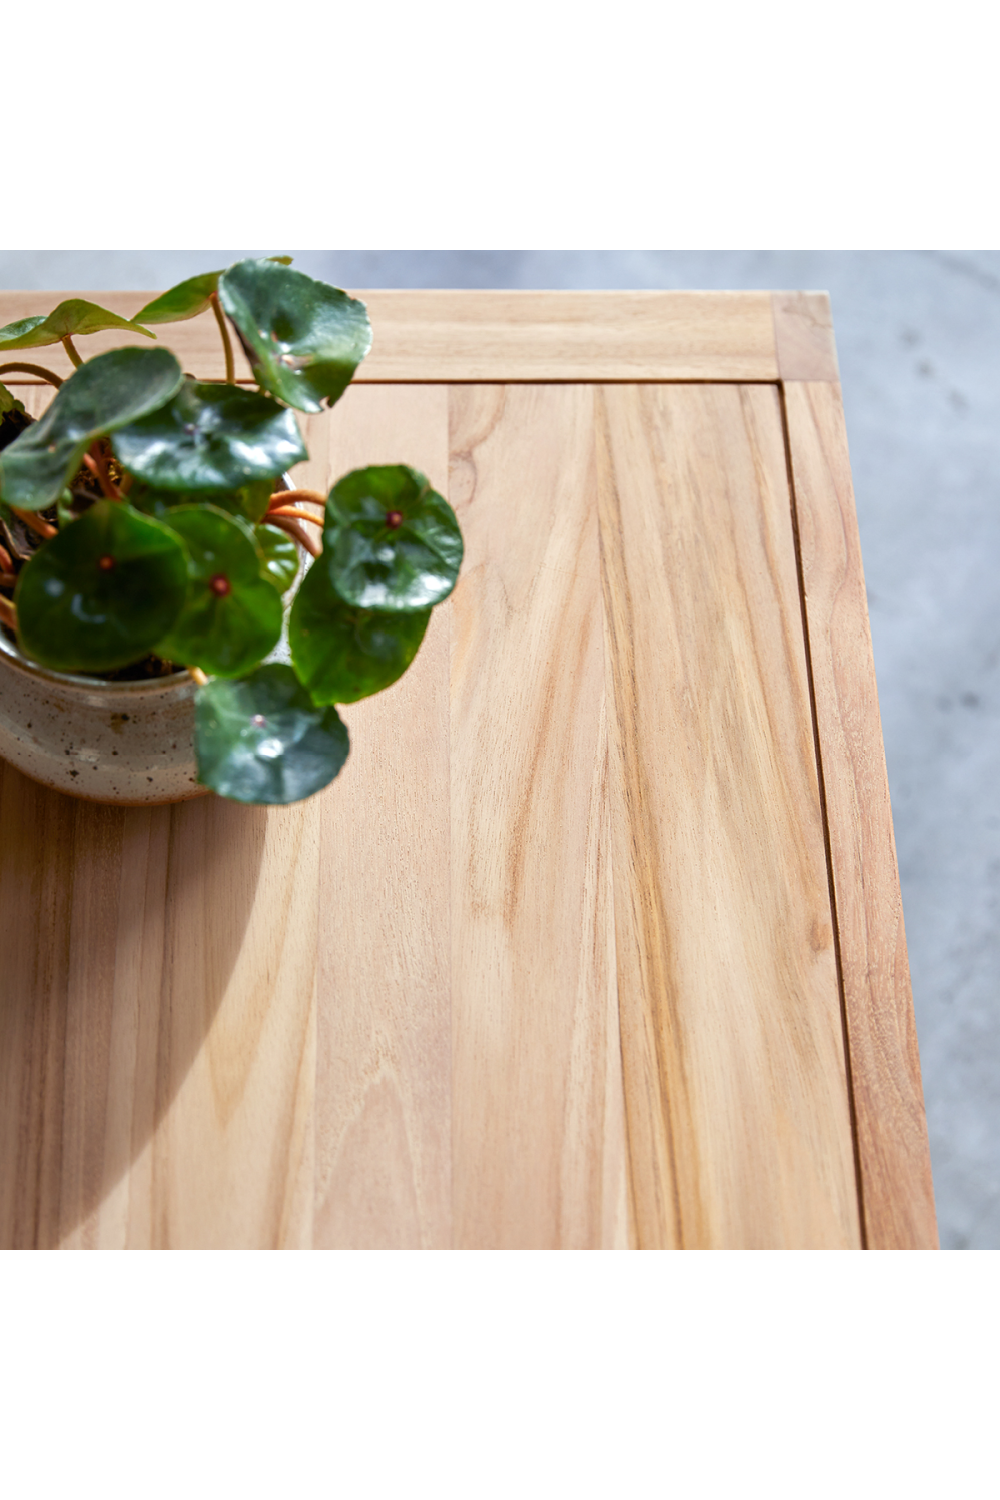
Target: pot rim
(90,684)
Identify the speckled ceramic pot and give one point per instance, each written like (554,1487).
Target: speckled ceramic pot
(126,742)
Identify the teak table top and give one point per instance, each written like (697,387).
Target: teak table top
(597,939)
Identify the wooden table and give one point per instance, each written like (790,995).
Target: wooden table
(597,939)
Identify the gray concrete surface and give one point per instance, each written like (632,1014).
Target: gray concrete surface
(918,335)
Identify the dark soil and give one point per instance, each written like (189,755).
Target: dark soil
(140,671)
(12,424)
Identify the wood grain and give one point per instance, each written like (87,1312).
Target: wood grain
(738,1114)
(891,1127)
(383,1119)
(539,1154)
(803,336)
(492,335)
(156,1022)
(553,962)
(570,336)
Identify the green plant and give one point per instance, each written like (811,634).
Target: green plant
(144,515)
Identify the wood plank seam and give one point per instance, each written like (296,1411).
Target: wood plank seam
(826,819)
(476,381)
(890,1121)
(732,1034)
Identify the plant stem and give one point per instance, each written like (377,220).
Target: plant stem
(37,524)
(95,463)
(227,346)
(289,497)
(8,614)
(198,676)
(70,348)
(39,370)
(7,580)
(296,532)
(295,514)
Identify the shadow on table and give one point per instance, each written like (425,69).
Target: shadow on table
(119,931)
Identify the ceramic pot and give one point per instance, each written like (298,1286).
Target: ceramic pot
(125,742)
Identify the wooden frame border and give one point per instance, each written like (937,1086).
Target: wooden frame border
(456,337)
(890,1127)
(782,337)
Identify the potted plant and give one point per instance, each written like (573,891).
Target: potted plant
(160,635)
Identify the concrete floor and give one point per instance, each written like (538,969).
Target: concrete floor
(918,335)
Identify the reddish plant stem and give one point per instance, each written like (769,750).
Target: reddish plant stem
(16,366)
(95,463)
(7,580)
(37,524)
(296,532)
(289,497)
(294,514)
(6,561)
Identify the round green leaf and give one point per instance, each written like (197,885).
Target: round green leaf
(156,502)
(281,556)
(304,339)
(390,541)
(341,653)
(188,298)
(263,740)
(253,499)
(107,392)
(102,592)
(250,502)
(231,616)
(210,437)
(71,317)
